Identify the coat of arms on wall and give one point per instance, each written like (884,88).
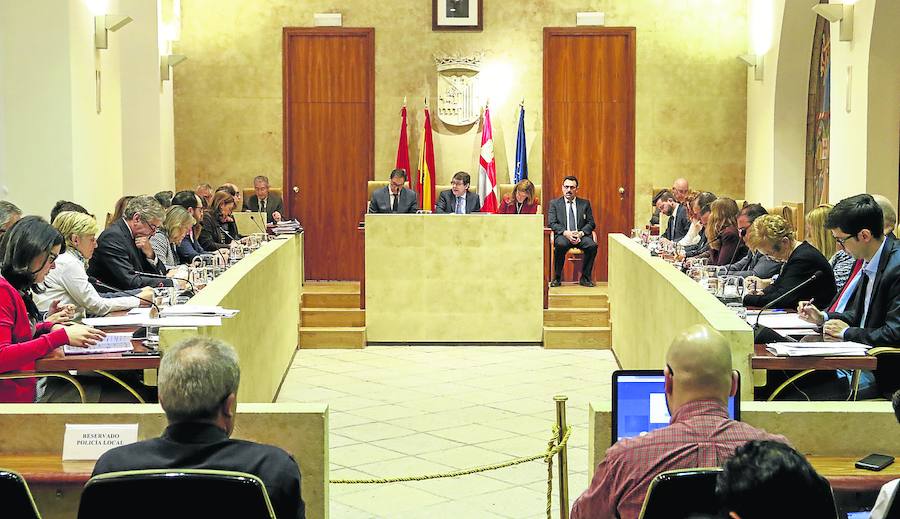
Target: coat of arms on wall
(459,100)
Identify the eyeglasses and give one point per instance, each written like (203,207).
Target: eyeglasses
(152,227)
(457,183)
(53,257)
(845,238)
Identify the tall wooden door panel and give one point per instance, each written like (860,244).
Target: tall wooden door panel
(329,143)
(589,109)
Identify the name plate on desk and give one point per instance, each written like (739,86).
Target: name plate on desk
(90,441)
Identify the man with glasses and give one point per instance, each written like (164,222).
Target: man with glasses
(394,198)
(124,250)
(756,263)
(873,314)
(698,382)
(680,190)
(9,214)
(458,199)
(198,386)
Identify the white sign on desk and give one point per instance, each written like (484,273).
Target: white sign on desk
(90,441)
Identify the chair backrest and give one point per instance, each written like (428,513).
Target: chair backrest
(159,493)
(677,494)
(375,185)
(249,191)
(16,497)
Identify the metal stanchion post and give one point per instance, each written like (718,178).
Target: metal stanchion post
(563,468)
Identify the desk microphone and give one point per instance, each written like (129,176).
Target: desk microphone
(160,276)
(94,281)
(257,224)
(782,296)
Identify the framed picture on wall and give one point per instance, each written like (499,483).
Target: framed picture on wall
(456,15)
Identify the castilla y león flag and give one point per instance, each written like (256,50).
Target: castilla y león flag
(487,168)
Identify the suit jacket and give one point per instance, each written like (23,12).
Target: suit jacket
(381,201)
(731,247)
(273,203)
(446,203)
(215,235)
(205,446)
(882,326)
(803,263)
(117,258)
(189,248)
(678,225)
(584,216)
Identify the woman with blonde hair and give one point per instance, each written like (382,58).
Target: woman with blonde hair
(68,282)
(819,237)
(722,234)
(524,202)
(175,226)
(773,236)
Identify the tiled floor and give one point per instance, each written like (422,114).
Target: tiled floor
(398,410)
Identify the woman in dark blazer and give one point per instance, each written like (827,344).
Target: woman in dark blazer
(773,236)
(524,202)
(216,232)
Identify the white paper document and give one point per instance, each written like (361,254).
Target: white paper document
(146,320)
(112,343)
(783,321)
(197,310)
(814,349)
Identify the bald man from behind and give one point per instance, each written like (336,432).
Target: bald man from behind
(699,380)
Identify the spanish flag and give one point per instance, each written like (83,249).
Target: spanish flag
(425,185)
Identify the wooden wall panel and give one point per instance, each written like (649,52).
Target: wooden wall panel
(329,94)
(589,113)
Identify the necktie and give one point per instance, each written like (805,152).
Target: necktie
(868,283)
(262,205)
(394,198)
(571,215)
(460,205)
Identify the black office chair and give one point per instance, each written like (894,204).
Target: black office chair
(679,494)
(175,493)
(16,497)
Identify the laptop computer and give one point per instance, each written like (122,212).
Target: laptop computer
(639,403)
(247,226)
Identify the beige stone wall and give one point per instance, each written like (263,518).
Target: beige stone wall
(691,91)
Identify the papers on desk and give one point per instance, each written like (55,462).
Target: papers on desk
(112,343)
(139,320)
(287,227)
(816,349)
(196,310)
(782,321)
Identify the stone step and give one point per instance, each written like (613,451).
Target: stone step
(331,286)
(349,337)
(576,300)
(576,317)
(577,337)
(331,317)
(334,299)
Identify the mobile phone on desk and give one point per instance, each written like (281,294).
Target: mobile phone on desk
(875,462)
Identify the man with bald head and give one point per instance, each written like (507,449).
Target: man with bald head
(699,380)
(680,189)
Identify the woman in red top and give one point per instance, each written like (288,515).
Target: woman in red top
(524,200)
(27,252)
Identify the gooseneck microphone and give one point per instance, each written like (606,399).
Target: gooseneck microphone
(94,281)
(257,224)
(160,276)
(782,296)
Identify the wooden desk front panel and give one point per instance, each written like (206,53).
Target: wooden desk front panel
(453,278)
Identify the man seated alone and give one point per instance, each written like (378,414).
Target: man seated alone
(698,382)
(198,384)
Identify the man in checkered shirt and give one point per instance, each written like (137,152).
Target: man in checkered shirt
(699,380)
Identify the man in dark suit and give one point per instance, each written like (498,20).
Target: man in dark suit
(572,222)
(458,199)
(264,201)
(124,247)
(873,314)
(198,385)
(394,198)
(679,223)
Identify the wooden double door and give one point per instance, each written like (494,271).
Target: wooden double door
(589,128)
(329,126)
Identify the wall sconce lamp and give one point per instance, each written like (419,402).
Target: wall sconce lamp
(104,24)
(167,61)
(838,13)
(755,62)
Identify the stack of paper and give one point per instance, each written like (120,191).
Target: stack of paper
(287,227)
(813,349)
(196,310)
(112,343)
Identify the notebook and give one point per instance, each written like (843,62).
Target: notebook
(639,403)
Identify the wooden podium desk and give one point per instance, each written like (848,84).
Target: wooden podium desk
(446,278)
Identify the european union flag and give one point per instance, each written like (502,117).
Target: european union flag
(521,171)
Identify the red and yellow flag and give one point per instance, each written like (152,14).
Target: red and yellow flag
(425,184)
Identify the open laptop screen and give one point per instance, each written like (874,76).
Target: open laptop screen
(639,403)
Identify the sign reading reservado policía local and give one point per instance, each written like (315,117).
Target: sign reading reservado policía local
(90,441)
